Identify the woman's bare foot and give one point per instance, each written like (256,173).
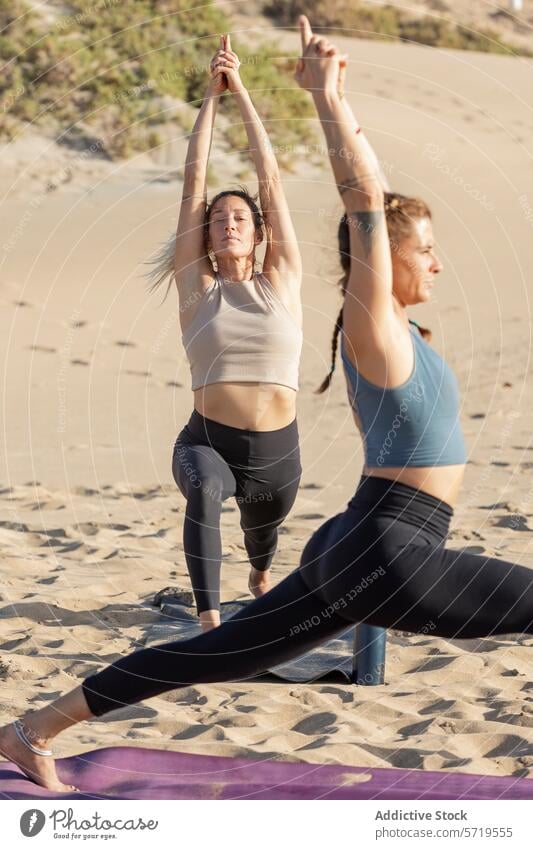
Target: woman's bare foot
(38,768)
(258,582)
(209,619)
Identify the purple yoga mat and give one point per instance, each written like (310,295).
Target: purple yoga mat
(131,773)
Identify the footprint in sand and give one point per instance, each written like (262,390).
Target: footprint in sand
(317,723)
(173,383)
(439,707)
(78,324)
(88,529)
(514,523)
(22,303)
(123,343)
(79,363)
(432,665)
(146,494)
(510,744)
(15,526)
(310,516)
(416,728)
(14,644)
(43,349)
(311,486)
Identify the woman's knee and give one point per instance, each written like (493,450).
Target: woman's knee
(204,496)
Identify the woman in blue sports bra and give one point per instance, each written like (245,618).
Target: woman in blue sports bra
(383,560)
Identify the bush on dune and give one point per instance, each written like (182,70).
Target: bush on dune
(116,70)
(350,17)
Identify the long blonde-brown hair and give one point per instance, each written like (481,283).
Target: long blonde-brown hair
(400,213)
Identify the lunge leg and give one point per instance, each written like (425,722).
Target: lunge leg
(464,595)
(284,623)
(205,480)
(265,503)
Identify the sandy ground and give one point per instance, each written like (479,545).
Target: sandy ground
(95,387)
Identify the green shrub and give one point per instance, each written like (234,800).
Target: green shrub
(104,65)
(350,17)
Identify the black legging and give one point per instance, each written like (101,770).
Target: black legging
(261,469)
(382,561)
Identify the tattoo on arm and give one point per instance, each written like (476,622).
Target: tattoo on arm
(359,183)
(367,225)
(347,185)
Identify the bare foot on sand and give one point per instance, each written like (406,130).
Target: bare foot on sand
(38,768)
(209,619)
(258,582)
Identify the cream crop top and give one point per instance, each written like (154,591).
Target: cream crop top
(243,333)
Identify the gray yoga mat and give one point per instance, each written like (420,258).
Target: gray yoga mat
(333,660)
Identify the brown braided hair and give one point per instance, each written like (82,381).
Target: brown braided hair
(400,212)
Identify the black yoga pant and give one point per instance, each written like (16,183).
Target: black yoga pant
(382,561)
(260,469)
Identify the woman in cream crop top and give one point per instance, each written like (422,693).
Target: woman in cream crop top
(242,334)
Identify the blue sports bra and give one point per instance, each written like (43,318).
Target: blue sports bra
(414,424)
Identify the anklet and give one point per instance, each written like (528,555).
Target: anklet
(21,734)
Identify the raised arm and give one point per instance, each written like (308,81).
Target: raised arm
(193,269)
(354,123)
(368,306)
(282,257)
